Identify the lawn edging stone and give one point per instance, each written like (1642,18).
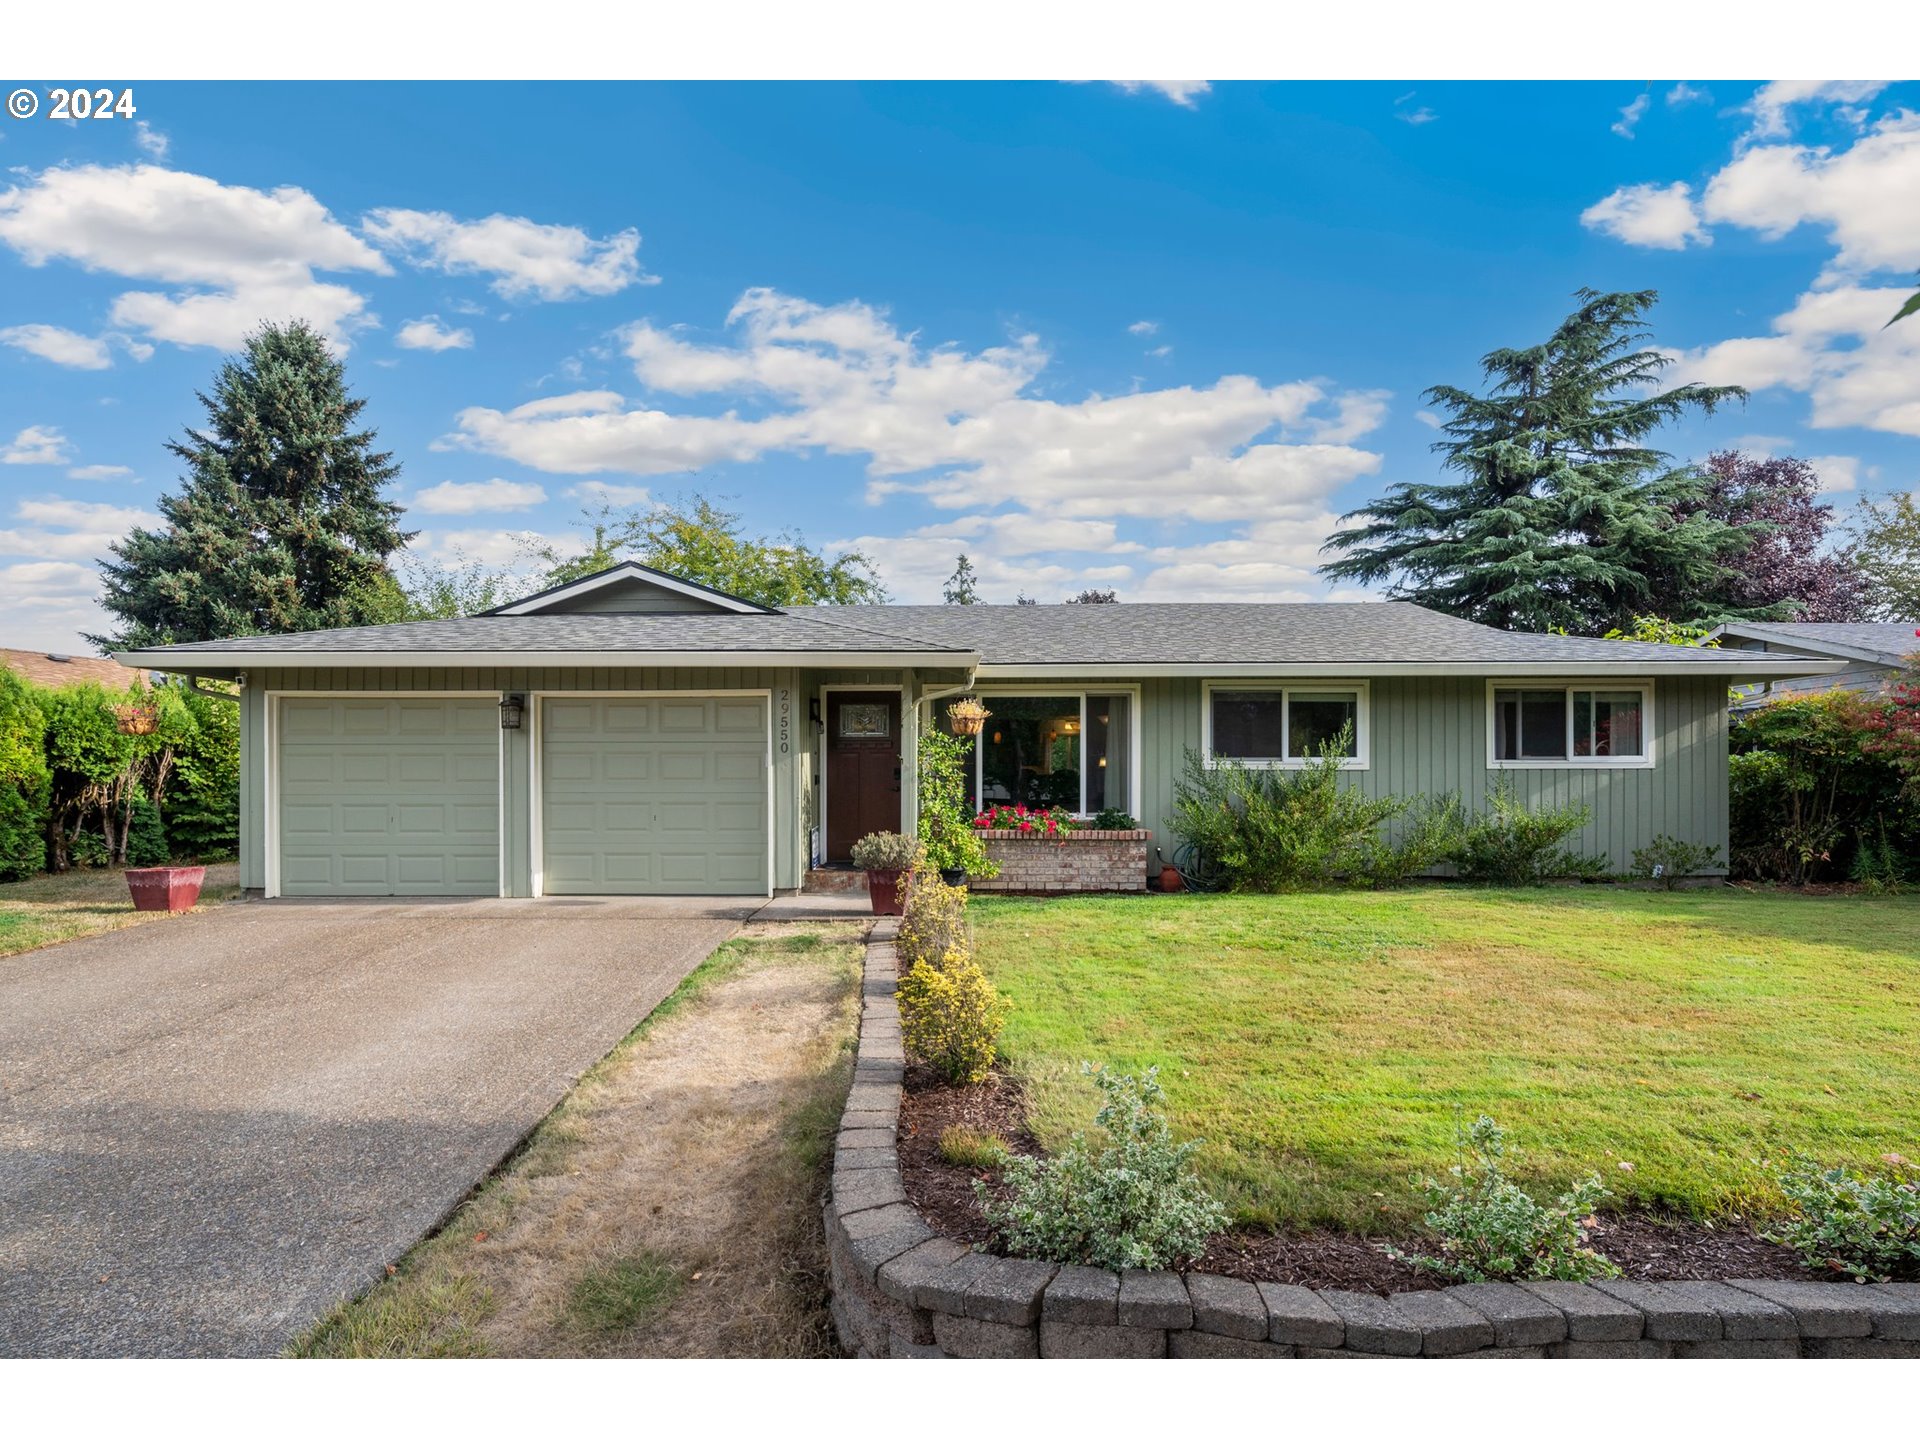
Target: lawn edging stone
(901,1291)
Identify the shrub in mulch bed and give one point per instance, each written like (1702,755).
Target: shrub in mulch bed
(1646,1246)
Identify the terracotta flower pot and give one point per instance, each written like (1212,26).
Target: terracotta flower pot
(166,887)
(883,889)
(1170,880)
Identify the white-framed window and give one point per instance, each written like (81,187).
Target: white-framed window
(1072,748)
(1548,724)
(1286,725)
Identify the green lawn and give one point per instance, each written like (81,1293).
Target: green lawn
(1321,1043)
(50,908)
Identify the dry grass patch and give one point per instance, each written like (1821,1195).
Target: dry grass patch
(670,1205)
(51,908)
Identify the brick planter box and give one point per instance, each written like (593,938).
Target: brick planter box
(1077,860)
(899,1290)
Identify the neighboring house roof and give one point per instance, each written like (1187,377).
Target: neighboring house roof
(1006,641)
(54,671)
(1887,643)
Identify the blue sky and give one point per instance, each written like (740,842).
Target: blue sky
(1148,337)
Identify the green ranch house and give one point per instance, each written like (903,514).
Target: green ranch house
(634,733)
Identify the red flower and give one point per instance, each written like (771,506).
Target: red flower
(1026,824)
(981,821)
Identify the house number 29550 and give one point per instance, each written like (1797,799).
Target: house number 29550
(786,721)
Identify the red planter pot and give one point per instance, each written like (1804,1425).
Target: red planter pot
(166,887)
(883,889)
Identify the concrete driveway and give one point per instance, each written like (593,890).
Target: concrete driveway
(214,1128)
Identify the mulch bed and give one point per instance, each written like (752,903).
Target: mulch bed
(1645,1245)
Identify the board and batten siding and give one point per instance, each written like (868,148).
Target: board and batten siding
(1429,736)
(790,735)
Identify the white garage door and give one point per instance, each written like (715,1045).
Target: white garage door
(395,796)
(654,795)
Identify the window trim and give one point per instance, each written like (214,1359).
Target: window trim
(1648,731)
(1082,692)
(1362,690)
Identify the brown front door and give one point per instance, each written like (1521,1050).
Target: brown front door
(863,767)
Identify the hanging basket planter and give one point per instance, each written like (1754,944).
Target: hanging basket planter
(136,718)
(967,716)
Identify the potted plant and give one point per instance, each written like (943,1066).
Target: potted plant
(886,857)
(166,887)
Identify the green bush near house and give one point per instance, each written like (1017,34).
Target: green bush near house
(1131,1201)
(23,779)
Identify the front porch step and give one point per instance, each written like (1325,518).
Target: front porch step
(833,880)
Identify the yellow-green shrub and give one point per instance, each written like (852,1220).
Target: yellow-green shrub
(933,921)
(950,1017)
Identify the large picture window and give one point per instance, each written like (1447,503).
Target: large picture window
(1072,750)
(1284,724)
(1571,725)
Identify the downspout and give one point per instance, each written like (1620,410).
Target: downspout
(910,763)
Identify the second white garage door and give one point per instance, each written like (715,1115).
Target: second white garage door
(654,795)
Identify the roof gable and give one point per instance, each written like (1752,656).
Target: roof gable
(630,588)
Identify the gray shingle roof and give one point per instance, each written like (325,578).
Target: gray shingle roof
(1336,638)
(1890,640)
(1327,633)
(718,632)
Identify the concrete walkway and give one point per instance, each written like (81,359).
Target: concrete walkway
(215,1127)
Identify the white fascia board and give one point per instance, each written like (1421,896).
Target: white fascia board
(1731,668)
(183,662)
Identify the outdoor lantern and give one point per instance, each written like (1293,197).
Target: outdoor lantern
(513,709)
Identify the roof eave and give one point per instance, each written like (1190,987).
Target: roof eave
(184,662)
(1729,668)
(1797,644)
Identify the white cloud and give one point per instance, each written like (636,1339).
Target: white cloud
(600,492)
(98,472)
(1421,116)
(503,549)
(49,603)
(1429,419)
(252,253)
(843,380)
(1838,473)
(1630,114)
(1685,94)
(454,497)
(1656,216)
(1144,327)
(1772,103)
(155,143)
(1160,352)
(1181,92)
(1268,560)
(427,333)
(1836,346)
(70,530)
(553,262)
(62,347)
(1868,196)
(37,445)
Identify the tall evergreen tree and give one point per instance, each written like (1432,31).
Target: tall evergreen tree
(1561,515)
(961,587)
(281,522)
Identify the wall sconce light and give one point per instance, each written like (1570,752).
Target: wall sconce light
(513,709)
(1103,762)
(813,712)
